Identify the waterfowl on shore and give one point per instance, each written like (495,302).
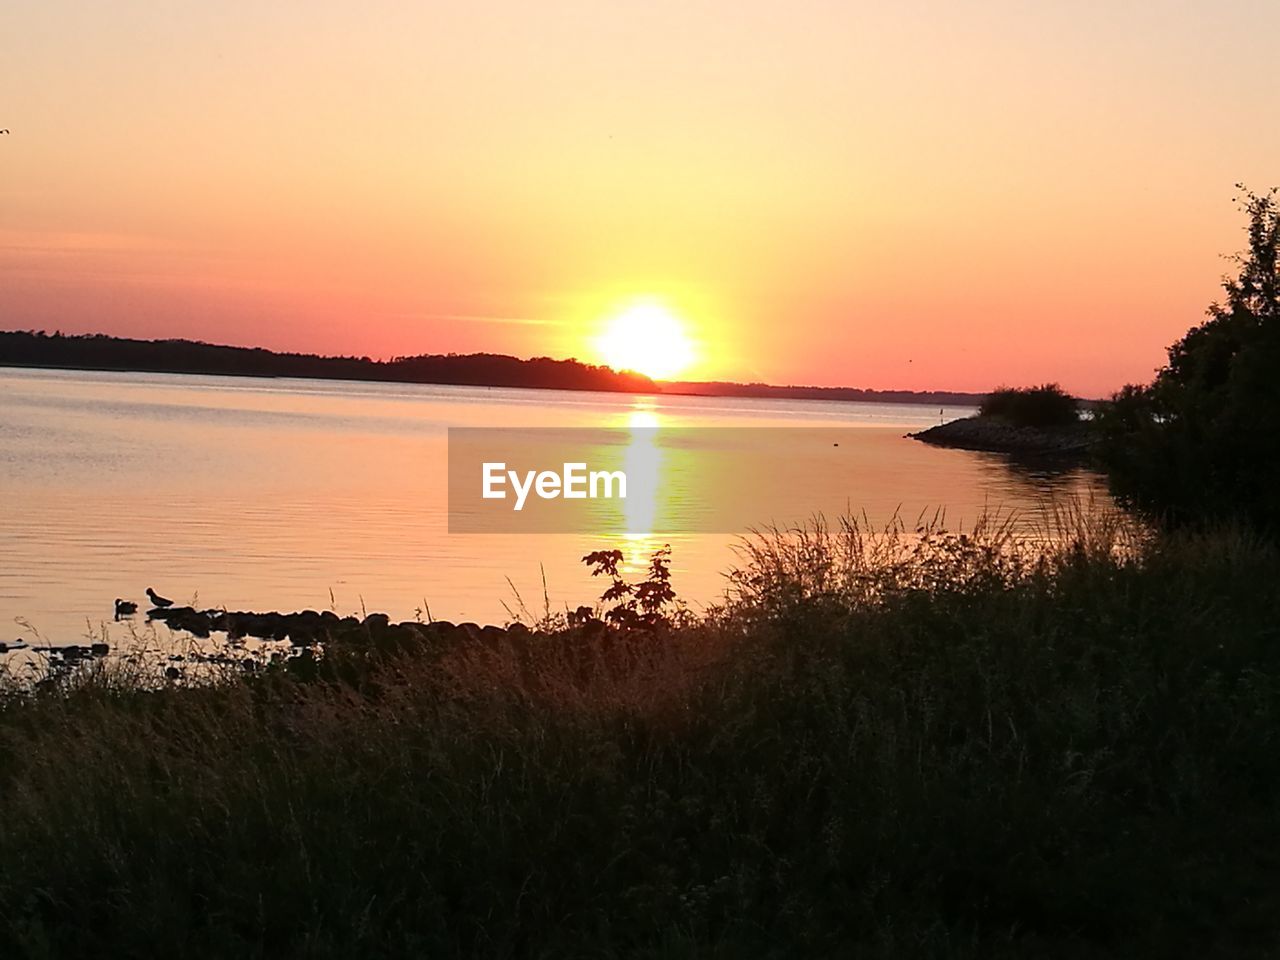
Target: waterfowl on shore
(125,607)
(157,600)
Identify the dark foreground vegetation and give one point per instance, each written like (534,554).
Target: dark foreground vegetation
(904,745)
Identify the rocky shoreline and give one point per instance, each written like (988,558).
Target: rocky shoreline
(299,633)
(311,628)
(999,436)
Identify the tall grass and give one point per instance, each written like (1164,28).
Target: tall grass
(901,743)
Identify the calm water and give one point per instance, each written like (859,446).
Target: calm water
(293,494)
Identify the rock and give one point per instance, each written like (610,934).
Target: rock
(396,637)
(1000,436)
(258,624)
(169,614)
(438,631)
(302,637)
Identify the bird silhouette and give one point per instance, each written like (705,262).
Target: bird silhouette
(125,607)
(5,130)
(158,600)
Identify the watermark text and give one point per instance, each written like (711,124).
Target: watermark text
(574,482)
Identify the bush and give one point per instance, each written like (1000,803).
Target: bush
(1044,406)
(1200,442)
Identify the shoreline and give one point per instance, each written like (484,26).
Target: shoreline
(992,435)
(782,393)
(747,392)
(101,352)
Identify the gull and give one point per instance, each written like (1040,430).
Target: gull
(158,600)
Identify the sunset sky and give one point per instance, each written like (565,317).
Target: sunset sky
(909,195)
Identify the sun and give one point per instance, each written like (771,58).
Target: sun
(647,338)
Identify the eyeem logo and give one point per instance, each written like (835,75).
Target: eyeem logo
(573,483)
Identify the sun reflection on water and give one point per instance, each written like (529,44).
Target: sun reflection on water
(642,461)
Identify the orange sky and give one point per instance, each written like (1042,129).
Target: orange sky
(945,195)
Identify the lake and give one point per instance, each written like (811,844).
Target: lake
(278,494)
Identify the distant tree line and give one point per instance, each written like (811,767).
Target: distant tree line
(101,352)
(725,388)
(98,351)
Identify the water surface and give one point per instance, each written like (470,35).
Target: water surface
(282,494)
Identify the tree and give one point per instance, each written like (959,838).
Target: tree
(1202,441)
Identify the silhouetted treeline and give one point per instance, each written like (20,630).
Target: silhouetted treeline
(34,348)
(724,388)
(101,352)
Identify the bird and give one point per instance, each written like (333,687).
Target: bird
(125,607)
(158,600)
(5,130)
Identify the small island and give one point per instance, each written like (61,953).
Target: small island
(1032,421)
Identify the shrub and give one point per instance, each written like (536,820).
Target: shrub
(1044,406)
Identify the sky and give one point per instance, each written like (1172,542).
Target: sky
(950,195)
